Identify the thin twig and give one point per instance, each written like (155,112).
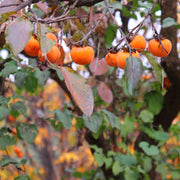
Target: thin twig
(92,30)
(8,5)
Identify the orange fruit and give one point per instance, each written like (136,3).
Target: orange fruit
(166,83)
(146,77)
(52,37)
(20,154)
(11,118)
(111,59)
(156,48)
(138,42)
(17,149)
(32,47)
(122,56)
(82,55)
(14,131)
(53,55)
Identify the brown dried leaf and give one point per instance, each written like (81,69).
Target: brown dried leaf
(105,92)
(79,89)
(99,67)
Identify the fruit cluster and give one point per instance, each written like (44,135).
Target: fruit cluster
(18,152)
(138,43)
(84,55)
(32,48)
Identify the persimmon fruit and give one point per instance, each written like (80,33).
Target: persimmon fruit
(156,48)
(17,149)
(53,55)
(119,58)
(82,55)
(122,56)
(14,131)
(52,37)
(32,47)
(138,42)
(11,118)
(18,152)
(111,59)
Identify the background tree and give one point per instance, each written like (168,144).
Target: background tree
(77,109)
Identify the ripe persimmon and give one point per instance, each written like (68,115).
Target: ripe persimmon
(14,131)
(17,149)
(32,47)
(122,56)
(111,59)
(18,152)
(138,42)
(11,118)
(53,55)
(82,55)
(156,48)
(52,37)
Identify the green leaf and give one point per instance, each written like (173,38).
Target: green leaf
(27,132)
(4,100)
(147,164)
(117,168)
(126,160)
(161,136)
(7,160)
(146,116)
(93,123)
(130,174)
(149,150)
(42,76)
(154,101)
(153,61)
(99,158)
(108,162)
(5,141)
(18,34)
(96,149)
(175,174)
(162,169)
(31,83)
(23,161)
(23,177)
(167,22)
(127,127)
(9,68)
(79,89)
(65,117)
(20,107)
(4,111)
(147,5)
(110,34)
(112,118)
(133,71)
(79,123)
(77,174)
(58,71)
(3,131)
(20,77)
(56,125)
